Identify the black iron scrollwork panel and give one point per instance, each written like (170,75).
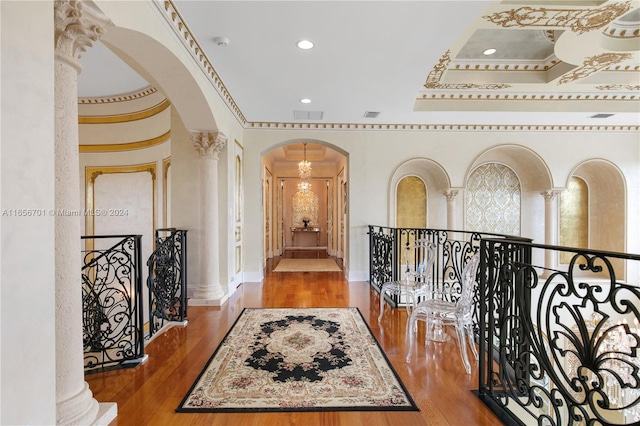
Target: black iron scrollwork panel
(381,258)
(167,280)
(112,305)
(568,353)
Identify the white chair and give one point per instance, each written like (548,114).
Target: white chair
(415,279)
(438,312)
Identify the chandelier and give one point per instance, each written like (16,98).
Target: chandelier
(304,167)
(304,187)
(305,201)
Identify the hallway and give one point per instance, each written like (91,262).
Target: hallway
(148,394)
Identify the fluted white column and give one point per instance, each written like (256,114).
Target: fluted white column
(209,291)
(75,30)
(451,208)
(550,225)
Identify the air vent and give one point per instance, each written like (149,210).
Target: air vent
(601,116)
(307,115)
(371,114)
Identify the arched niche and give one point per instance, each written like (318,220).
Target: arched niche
(607,204)
(436,181)
(531,169)
(534,176)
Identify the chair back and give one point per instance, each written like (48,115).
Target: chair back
(468,280)
(419,258)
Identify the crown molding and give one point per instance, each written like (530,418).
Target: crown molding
(125,97)
(438,127)
(124,118)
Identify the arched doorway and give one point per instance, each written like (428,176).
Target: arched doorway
(290,200)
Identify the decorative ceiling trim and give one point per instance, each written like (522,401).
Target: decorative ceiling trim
(437,127)
(438,71)
(536,96)
(577,20)
(528,67)
(593,65)
(619,87)
(177,23)
(622,30)
(130,146)
(137,94)
(124,118)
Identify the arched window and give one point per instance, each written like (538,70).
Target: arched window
(411,203)
(574,217)
(492,200)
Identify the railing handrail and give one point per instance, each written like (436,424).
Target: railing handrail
(617,255)
(453,231)
(105,251)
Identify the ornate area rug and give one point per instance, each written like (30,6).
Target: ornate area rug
(298,359)
(307,265)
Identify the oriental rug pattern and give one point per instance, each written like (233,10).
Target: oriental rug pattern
(298,359)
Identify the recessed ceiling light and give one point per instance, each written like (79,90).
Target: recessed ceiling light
(305,101)
(305,44)
(489,52)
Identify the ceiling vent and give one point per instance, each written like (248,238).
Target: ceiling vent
(307,115)
(601,116)
(371,114)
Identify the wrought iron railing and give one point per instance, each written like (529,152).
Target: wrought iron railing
(559,347)
(167,279)
(453,249)
(112,302)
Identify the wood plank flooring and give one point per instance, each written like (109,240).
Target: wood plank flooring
(149,393)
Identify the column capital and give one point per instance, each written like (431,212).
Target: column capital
(549,195)
(208,144)
(77,27)
(450,194)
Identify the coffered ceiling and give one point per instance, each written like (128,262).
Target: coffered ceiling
(413,62)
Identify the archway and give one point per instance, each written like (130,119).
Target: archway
(328,182)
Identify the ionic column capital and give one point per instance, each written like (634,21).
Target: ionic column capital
(208,144)
(77,27)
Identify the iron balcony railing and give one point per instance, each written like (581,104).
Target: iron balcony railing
(559,347)
(453,249)
(112,302)
(167,279)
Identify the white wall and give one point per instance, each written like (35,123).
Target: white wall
(27,296)
(375,155)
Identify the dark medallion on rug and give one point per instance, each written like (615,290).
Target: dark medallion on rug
(299,348)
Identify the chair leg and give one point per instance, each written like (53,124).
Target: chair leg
(462,343)
(472,341)
(410,335)
(382,293)
(410,307)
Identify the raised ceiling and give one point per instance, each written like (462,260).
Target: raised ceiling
(413,62)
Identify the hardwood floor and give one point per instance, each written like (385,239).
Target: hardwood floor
(149,393)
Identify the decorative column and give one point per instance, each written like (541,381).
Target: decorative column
(451,195)
(209,292)
(76,28)
(550,225)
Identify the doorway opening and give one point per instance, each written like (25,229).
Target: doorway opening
(304,201)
